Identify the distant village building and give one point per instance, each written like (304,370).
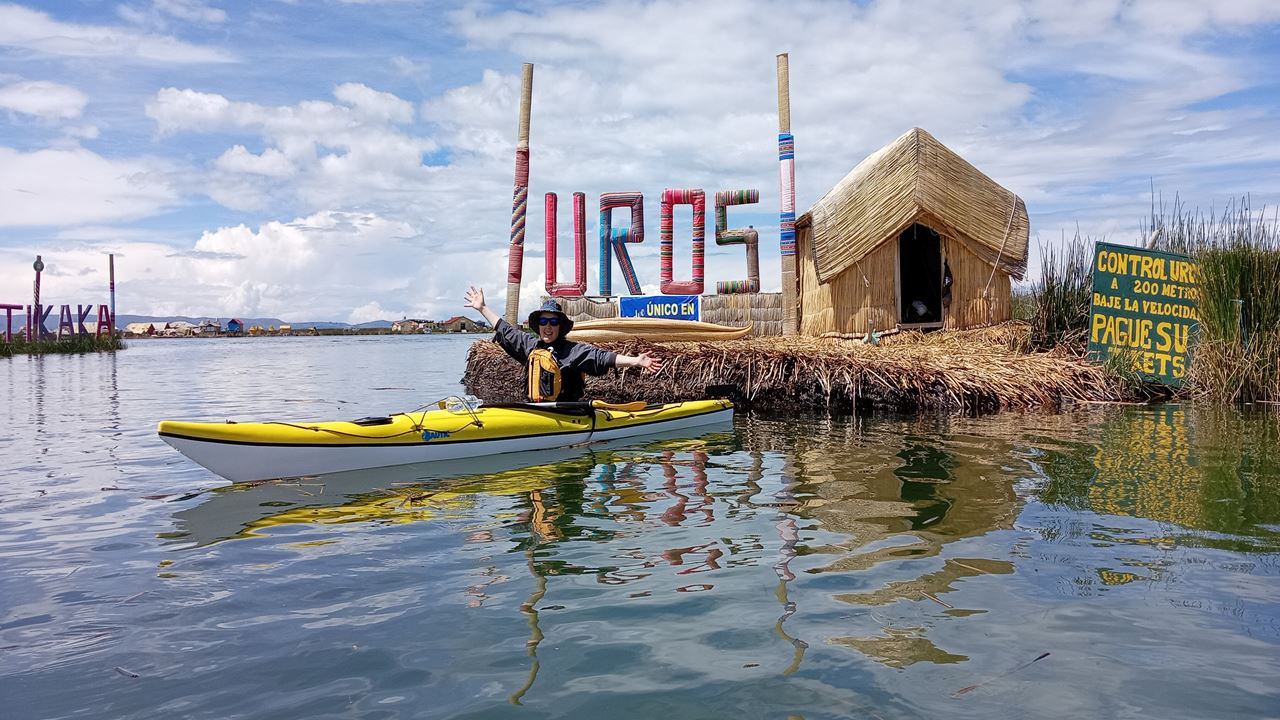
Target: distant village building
(256,330)
(460,323)
(234,327)
(178,328)
(286,329)
(209,327)
(139,329)
(411,326)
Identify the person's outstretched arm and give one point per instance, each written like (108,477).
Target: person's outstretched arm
(643,360)
(516,343)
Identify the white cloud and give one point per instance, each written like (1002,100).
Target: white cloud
(36,31)
(43,99)
(411,68)
(191,10)
(271,163)
(81,132)
(352,153)
(75,186)
(374,105)
(372,311)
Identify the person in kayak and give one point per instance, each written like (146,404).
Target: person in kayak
(555,364)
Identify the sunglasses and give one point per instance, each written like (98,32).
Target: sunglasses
(548,321)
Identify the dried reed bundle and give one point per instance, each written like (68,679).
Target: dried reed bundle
(623,329)
(969,372)
(761,311)
(595,308)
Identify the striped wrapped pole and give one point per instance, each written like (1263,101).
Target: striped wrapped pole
(787,200)
(671,198)
(519,200)
(738,236)
(614,242)
(38,327)
(579,285)
(111,274)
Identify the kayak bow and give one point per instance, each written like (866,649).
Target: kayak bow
(264,450)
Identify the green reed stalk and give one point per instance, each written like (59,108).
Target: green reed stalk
(51,345)
(1063,294)
(1237,354)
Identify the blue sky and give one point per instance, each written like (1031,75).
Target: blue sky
(319,159)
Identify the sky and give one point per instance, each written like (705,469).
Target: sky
(354,161)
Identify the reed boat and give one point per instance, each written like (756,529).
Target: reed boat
(654,330)
(245,451)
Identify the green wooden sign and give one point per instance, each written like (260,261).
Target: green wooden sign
(1144,310)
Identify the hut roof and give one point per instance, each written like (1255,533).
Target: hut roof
(917,179)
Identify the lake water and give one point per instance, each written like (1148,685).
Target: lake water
(1101,563)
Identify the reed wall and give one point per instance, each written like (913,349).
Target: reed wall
(970,306)
(866,295)
(763,311)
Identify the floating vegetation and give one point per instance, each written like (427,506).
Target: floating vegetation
(980,370)
(79,343)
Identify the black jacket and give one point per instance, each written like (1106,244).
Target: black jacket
(574,358)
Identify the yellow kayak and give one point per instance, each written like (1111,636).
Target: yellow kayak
(264,450)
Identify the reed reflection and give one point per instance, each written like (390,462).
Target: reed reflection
(895,511)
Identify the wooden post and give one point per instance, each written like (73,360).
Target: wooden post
(787,200)
(35,302)
(111,273)
(520,200)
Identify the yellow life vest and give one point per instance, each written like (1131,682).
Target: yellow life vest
(544,376)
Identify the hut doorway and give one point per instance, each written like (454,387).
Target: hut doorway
(920,277)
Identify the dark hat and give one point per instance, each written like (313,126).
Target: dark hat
(551,306)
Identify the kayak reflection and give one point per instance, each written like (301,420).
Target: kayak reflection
(402,494)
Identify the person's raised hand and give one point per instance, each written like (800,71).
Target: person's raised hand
(650,363)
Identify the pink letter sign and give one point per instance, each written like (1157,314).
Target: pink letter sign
(697,199)
(579,285)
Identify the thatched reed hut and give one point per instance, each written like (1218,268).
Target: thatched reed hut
(914,236)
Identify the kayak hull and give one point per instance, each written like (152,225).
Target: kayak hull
(258,451)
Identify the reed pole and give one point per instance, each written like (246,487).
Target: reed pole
(38,326)
(111,273)
(787,200)
(520,199)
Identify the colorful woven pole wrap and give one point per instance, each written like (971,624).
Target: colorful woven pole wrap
(579,285)
(614,242)
(787,200)
(38,327)
(738,236)
(671,198)
(111,275)
(787,192)
(519,200)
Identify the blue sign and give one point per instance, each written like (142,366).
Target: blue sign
(667,307)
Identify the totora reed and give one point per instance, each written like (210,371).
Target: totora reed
(969,370)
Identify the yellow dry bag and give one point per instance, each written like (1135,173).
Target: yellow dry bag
(544,376)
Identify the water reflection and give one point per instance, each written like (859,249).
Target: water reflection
(796,549)
(1208,473)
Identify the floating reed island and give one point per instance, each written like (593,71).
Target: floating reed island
(982,370)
